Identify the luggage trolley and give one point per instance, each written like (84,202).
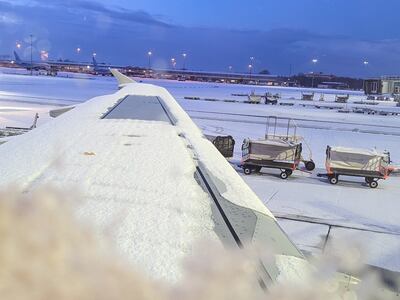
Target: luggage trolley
(224,144)
(370,164)
(274,154)
(290,135)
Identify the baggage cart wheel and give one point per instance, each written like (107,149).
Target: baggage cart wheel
(284,175)
(310,165)
(288,172)
(247,170)
(369,179)
(373,184)
(333,179)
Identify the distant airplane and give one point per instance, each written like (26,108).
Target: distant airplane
(100,70)
(30,65)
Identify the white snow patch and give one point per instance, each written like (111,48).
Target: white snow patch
(292,269)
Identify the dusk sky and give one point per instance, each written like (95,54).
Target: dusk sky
(281,35)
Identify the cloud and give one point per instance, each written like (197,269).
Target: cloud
(7,18)
(116,13)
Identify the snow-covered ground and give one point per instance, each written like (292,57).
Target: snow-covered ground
(347,209)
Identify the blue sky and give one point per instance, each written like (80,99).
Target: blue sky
(281,35)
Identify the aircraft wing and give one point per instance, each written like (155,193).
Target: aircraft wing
(145,169)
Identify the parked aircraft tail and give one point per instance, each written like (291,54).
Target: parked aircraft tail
(17,58)
(94,62)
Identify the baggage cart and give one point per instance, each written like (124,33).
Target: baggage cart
(224,144)
(370,164)
(342,98)
(268,153)
(307,96)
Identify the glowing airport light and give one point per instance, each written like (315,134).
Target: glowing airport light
(18,45)
(44,55)
(251,65)
(87,67)
(250,68)
(94,54)
(78,50)
(314,61)
(365,62)
(173,62)
(149,53)
(184,60)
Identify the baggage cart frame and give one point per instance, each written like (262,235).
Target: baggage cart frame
(291,135)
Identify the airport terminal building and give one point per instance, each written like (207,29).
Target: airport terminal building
(207,76)
(387,85)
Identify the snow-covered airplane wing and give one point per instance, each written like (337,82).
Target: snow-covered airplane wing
(145,169)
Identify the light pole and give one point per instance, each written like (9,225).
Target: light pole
(184,60)
(31,36)
(173,63)
(149,54)
(252,61)
(78,51)
(365,63)
(230,68)
(250,69)
(314,61)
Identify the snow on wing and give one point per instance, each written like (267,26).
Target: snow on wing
(152,174)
